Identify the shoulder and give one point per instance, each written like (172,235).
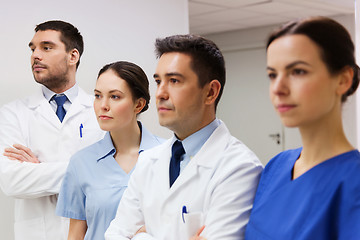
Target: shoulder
(155,152)
(22,102)
(232,149)
(20,107)
(85,98)
(349,166)
(148,139)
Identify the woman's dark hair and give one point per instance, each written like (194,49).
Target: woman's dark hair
(134,76)
(334,41)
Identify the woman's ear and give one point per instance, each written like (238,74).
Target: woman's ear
(213,91)
(345,80)
(74,56)
(139,105)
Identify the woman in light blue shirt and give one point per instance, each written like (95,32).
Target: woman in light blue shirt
(97,176)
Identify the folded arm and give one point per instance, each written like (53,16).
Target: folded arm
(21,173)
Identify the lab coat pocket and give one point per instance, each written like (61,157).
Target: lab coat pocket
(193,221)
(30,229)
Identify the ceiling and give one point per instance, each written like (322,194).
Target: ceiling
(213,16)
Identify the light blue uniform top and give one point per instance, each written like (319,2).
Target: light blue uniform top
(94,184)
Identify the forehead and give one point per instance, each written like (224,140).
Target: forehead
(109,80)
(293,48)
(174,62)
(50,36)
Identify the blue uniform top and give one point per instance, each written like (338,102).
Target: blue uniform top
(321,204)
(94,184)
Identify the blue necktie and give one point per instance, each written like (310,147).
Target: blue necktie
(176,153)
(60,111)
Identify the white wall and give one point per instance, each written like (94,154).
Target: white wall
(112,30)
(255,39)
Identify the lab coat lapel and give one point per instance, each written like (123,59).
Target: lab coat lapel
(161,161)
(40,105)
(81,102)
(205,160)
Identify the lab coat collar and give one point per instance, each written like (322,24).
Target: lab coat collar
(38,99)
(207,157)
(39,104)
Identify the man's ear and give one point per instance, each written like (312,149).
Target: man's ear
(74,56)
(213,91)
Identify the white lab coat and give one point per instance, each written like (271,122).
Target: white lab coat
(33,123)
(218,184)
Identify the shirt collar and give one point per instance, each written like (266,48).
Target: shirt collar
(193,143)
(106,146)
(71,93)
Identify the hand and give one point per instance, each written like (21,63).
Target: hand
(20,153)
(142,229)
(197,235)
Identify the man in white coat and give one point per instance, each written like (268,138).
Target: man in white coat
(38,134)
(202,175)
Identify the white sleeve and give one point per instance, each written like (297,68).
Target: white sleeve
(129,217)
(24,180)
(232,198)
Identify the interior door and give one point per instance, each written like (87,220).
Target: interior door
(245,106)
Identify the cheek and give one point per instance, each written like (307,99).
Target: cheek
(272,95)
(96,106)
(122,109)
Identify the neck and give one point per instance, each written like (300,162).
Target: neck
(71,81)
(181,135)
(323,140)
(194,124)
(127,138)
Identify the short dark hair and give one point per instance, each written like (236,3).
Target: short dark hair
(70,35)
(134,76)
(207,60)
(334,41)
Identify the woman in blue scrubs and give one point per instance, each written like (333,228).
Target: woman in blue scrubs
(312,192)
(97,176)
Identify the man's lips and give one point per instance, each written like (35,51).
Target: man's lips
(37,67)
(163,109)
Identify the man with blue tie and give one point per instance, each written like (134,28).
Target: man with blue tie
(202,175)
(38,134)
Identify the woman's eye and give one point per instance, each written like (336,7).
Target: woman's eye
(115,97)
(297,71)
(272,76)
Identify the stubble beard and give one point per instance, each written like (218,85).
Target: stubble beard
(52,81)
